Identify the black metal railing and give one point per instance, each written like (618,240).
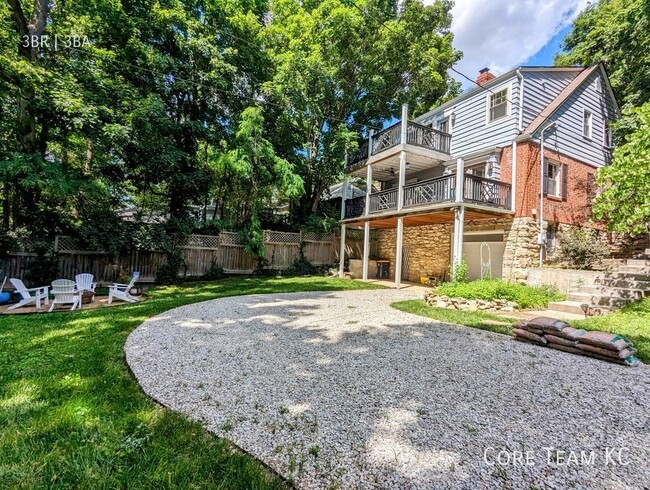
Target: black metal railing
(355,207)
(427,137)
(359,157)
(389,137)
(441,189)
(489,192)
(383,201)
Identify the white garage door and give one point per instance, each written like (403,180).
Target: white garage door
(472,253)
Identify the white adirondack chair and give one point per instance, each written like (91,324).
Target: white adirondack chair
(65,293)
(39,294)
(121,291)
(85,283)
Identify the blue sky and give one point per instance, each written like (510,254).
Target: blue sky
(503,34)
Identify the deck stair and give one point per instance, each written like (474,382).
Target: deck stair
(610,290)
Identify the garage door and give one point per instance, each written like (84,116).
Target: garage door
(472,253)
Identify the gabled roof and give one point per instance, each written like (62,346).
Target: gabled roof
(555,104)
(336,191)
(497,81)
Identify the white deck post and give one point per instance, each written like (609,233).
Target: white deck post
(398,252)
(459,216)
(344,192)
(366,249)
(402,157)
(368,187)
(342,253)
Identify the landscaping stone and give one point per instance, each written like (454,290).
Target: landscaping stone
(339,390)
(441,301)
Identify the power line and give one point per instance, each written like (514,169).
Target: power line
(445,65)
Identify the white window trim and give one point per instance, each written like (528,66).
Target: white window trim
(558,177)
(445,119)
(487,103)
(591,124)
(608,139)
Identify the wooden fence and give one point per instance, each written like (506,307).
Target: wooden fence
(199,252)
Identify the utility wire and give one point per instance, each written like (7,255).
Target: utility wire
(445,65)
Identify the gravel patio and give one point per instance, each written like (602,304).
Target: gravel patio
(339,389)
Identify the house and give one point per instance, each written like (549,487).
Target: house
(463,181)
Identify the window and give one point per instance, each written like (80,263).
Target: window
(552,179)
(551,238)
(498,105)
(444,126)
(608,139)
(477,171)
(586,124)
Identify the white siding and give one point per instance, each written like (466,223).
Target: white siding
(471,132)
(540,89)
(568,138)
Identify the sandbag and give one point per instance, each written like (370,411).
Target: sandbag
(616,354)
(629,361)
(526,341)
(523,324)
(548,324)
(606,340)
(520,332)
(570,333)
(554,339)
(565,348)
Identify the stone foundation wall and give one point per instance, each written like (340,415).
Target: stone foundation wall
(521,251)
(430,249)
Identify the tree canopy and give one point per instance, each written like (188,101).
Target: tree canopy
(617,32)
(171,106)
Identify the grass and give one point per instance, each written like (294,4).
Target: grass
(632,321)
(490,289)
(71,414)
(476,319)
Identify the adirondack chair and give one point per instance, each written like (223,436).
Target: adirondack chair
(25,293)
(65,293)
(121,291)
(85,283)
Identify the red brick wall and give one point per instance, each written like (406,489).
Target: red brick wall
(576,210)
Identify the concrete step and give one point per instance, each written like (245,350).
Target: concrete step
(621,292)
(575,307)
(638,262)
(634,276)
(635,269)
(616,282)
(598,300)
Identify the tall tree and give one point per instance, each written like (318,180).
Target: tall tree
(341,66)
(617,32)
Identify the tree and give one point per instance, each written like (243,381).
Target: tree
(341,67)
(625,201)
(616,32)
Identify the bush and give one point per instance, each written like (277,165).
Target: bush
(302,267)
(581,249)
(214,272)
(460,273)
(491,289)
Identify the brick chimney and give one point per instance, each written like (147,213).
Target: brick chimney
(484,76)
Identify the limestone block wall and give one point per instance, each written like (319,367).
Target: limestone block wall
(429,245)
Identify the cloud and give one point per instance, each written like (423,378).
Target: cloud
(502,34)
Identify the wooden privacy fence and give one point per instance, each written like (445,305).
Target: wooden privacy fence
(199,252)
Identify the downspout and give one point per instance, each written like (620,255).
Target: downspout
(540,237)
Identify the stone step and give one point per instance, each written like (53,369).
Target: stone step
(621,292)
(637,262)
(623,282)
(598,300)
(575,307)
(623,275)
(634,269)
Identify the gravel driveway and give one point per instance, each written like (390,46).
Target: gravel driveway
(337,389)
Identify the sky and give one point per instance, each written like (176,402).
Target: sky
(503,34)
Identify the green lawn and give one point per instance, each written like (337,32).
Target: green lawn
(476,319)
(632,321)
(71,414)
